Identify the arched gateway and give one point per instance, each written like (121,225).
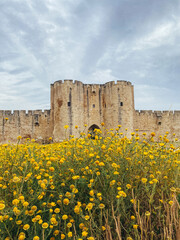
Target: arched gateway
(91,130)
(93,127)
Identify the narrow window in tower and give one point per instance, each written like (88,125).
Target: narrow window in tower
(36,119)
(159,123)
(69,104)
(121,104)
(93,105)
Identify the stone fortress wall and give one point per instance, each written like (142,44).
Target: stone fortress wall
(159,122)
(32,124)
(75,103)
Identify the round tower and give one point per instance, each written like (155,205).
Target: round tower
(118,105)
(66,108)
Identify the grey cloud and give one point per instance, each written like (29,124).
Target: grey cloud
(98,41)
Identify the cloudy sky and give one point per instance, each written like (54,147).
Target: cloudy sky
(94,41)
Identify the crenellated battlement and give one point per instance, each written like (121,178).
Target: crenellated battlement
(77,82)
(14,113)
(157,113)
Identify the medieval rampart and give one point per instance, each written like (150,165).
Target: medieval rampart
(159,122)
(31,124)
(74,103)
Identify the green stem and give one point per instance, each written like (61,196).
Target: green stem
(43,234)
(8,231)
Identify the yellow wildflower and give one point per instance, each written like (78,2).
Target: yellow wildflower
(101,206)
(70,234)
(86,217)
(143,180)
(57,210)
(56,232)
(135,226)
(26,226)
(36,238)
(89,206)
(45,225)
(84,234)
(62,236)
(2,206)
(66,201)
(69,225)
(64,217)
(16,179)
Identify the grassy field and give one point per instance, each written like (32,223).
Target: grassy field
(103,188)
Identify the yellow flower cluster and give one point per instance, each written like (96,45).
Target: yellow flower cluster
(82,188)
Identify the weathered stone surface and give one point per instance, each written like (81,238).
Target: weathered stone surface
(75,103)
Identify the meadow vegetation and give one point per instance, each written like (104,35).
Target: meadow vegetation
(110,187)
